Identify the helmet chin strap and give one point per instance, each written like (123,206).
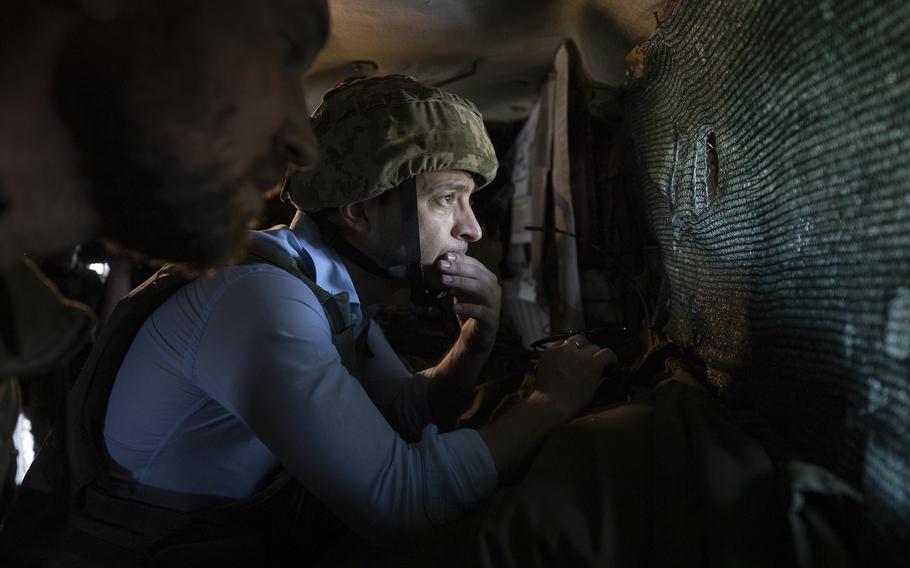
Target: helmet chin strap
(412,269)
(407,197)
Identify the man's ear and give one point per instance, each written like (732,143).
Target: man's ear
(101,10)
(354,217)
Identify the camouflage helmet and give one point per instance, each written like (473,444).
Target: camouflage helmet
(375,133)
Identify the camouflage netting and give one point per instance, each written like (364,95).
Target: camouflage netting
(790,268)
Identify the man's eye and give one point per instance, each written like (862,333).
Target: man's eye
(292,56)
(447,199)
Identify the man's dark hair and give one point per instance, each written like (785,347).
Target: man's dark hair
(327,228)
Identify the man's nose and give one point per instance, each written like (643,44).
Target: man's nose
(467,228)
(296,143)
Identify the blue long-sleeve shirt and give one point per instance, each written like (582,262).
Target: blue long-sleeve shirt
(236,373)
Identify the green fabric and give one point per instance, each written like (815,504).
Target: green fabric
(39,329)
(789,271)
(814,530)
(665,480)
(375,133)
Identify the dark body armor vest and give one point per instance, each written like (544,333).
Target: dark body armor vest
(67,514)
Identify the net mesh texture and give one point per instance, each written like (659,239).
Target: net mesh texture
(773,150)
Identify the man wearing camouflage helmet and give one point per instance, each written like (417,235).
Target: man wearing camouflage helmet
(276,365)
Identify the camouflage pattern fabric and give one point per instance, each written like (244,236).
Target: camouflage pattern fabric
(375,133)
(668,479)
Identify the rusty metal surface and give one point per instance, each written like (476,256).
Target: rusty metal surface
(790,272)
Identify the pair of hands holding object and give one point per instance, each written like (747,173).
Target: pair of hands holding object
(569,372)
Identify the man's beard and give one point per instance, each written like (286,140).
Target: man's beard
(150,206)
(149,201)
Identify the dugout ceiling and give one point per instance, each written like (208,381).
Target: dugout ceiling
(497,53)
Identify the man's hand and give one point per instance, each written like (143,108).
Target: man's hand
(476,293)
(567,377)
(570,372)
(477,298)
